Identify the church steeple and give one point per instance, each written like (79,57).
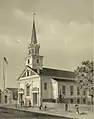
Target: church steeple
(33,46)
(34,60)
(33,37)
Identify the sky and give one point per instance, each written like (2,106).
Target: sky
(64,31)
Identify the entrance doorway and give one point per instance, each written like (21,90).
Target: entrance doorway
(34,98)
(5,98)
(20,97)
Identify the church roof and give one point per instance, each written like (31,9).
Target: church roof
(57,73)
(54,73)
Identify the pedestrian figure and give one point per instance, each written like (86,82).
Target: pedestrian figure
(66,107)
(45,107)
(25,103)
(16,104)
(40,107)
(77,109)
(21,103)
(29,103)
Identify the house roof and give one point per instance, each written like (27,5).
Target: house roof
(14,90)
(64,79)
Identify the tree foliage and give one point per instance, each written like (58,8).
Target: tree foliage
(85,76)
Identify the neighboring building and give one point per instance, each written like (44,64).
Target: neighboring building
(37,84)
(9,96)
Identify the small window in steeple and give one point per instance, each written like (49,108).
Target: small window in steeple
(37,60)
(27,72)
(28,61)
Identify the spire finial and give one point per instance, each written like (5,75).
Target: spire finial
(34,16)
(33,37)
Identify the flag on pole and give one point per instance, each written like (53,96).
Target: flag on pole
(6,61)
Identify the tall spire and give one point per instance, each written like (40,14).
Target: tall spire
(34,60)
(33,37)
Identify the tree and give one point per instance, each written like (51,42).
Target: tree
(85,77)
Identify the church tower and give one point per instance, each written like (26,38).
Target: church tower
(34,60)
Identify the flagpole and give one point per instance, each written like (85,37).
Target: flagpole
(4,74)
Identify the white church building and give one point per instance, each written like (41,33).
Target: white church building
(37,83)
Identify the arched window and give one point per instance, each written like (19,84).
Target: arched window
(84,101)
(84,92)
(45,86)
(78,101)
(71,90)
(78,91)
(28,90)
(71,100)
(64,90)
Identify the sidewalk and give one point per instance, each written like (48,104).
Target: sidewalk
(71,114)
(56,112)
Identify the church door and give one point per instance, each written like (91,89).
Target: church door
(34,98)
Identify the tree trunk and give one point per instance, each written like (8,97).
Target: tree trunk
(92,102)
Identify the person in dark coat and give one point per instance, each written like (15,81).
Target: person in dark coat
(45,107)
(21,103)
(29,103)
(77,108)
(40,107)
(16,104)
(66,107)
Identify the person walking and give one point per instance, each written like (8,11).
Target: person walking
(66,107)
(16,104)
(77,109)
(40,107)
(29,103)
(45,108)
(21,103)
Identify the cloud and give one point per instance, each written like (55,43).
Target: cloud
(5,39)
(72,35)
(22,15)
(66,36)
(12,42)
